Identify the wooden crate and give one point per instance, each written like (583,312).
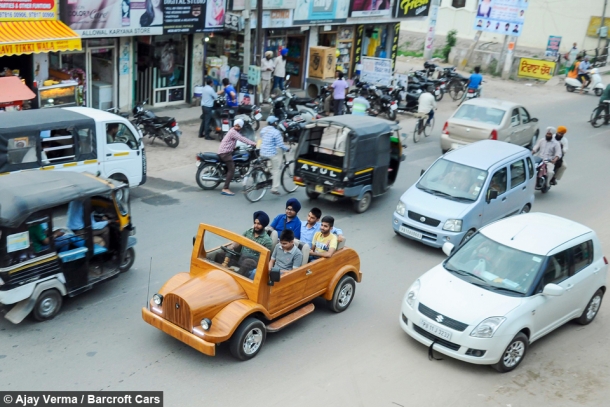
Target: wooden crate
(322,62)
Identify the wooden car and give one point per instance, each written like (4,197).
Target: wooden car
(229,295)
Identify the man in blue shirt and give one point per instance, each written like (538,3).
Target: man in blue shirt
(76,222)
(310,226)
(475,79)
(230,92)
(289,220)
(272,140)
(208,96)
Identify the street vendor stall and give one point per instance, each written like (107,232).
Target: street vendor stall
(14,93)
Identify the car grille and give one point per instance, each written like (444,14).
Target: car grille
(448,322)
(428,221)
(439,341)
(177,311)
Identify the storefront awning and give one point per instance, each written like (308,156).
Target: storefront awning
(13,89)
(32,37)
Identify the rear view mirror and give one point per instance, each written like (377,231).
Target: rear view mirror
(448,248)
(422,172)
(274,275)
(552,290)
(491,195)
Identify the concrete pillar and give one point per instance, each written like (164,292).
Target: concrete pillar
(126,75)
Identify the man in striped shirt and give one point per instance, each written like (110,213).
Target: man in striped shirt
(272,141)
(225,152)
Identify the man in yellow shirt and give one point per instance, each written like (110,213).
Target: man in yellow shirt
(324,243)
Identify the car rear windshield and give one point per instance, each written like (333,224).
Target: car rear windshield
(451,180)
(481,114)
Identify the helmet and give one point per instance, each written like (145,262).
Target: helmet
(272,121)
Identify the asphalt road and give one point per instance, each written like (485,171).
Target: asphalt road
(358,358)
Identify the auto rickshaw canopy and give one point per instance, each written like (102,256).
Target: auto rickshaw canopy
(24,193)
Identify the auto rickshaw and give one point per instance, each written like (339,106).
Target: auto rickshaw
(356,157)
(41,260)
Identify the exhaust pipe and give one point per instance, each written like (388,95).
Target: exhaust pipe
(215,179)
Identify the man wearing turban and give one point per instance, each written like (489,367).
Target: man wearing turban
(560,166)
(289,220)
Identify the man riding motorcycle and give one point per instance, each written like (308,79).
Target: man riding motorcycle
(549,150)
(560,166)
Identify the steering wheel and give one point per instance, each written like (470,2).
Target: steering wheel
(229,251)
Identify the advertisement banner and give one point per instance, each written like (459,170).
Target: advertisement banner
(369,8)
(395,45)
(376,70)
(112,18)
(595,23)
(194,17)
(15,10)
(536,69)
(501,16)
(358,48)
(411,8)
(321,12)
(273,18)
(267,4)
(552,47)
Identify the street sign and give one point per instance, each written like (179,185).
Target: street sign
(254,75)
(552,47)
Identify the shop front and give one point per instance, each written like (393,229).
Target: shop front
(297,44)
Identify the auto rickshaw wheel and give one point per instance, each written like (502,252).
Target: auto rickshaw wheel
(363,204)
(130,258)
(47,305)
(248,339)
(311,194)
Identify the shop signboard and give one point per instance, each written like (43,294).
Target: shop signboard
(112,18)
(552,47)
(412,8)
(321,12)
(267,4)
(234,22)
(376,70)
(536,69)
(501,16)
(595,24)
(273,18)
(193,16)
(369,8)
(15,10)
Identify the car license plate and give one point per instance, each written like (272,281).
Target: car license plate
(393,107)
(410,232)
(437,92)
(258,116)
(225,127)
(320,189)
(435,330)
(175,128)
(350,103)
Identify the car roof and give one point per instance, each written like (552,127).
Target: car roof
(493,103)
(360,125)
(484,154)
(40,119)
(537,233)
(100,115)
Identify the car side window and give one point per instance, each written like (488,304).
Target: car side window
(514,119)
(557,269)
(118,133)
(499,181)
(583,255)
(530,167)
(517,173)
(525,116)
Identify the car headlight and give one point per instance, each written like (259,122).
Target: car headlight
(453,225)
(487,328)
(413,293)
(158,299)
(206,324)
(401,208)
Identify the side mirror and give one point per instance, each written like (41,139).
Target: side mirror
(194,238)
(535,120)
(422,172)
(491,195)
(274,275)
(448,248)
(552,290)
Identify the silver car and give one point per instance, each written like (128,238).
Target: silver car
(493,119)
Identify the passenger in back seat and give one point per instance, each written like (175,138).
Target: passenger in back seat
(286,255)
(310,226)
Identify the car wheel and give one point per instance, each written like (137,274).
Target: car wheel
(130,258)
(343,295)
(311,194)
(526,209)
(513,354)
(47,305)
(248,339)
(362,205)
(592,308)
(467,236)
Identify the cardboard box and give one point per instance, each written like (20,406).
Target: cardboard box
(322,62)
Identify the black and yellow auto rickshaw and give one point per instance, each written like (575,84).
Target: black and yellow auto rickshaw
(41,259)
(356,157)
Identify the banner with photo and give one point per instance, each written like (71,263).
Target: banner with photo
(28,10)
(501,16)
(113,18)
(411,8)
(267,4)
(194,17)
(321,12)
(370,8)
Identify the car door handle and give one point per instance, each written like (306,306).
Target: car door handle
(108,154)
(308,272)
(503,199)
(569,287)
(524,188)
(596,271)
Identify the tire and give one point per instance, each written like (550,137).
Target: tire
(514,354)
(172,140)
(598,117)
(47,305)
(456,90)
(288,178)
(130,258)
(467,236)
(208,170)
(343,295)
(592,308)
(248,339)
(438,98)
(428,128)
(534,140)
(526,209)
(570,88)
(255,124)
(391,115)
(362,205)
(255,185)
(598,91)
(310,194)
(416,133)
(212,130)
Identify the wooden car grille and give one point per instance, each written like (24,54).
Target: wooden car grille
(177,311)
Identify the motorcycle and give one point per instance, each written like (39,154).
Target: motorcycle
(253,112)
(406,100)
(211,171)
(596,85)
(471,94)
(291,129)
(541,175)
(166,128)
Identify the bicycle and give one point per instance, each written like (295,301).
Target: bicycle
(600,114)
(259,179)
(420,127)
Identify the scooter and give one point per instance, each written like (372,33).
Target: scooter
(596,85)
(541,175)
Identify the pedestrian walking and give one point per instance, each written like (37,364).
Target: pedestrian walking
(339,89)
(208,96)
(280,70)
(267,68)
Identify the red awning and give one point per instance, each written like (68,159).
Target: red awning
(13,90)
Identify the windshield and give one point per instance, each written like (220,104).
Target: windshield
(481,114)
(490,265)
(230,256)
(453,181)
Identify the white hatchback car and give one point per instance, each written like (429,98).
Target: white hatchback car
(511,283)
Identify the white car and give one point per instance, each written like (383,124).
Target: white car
(511,283)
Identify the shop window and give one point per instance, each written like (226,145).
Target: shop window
(458,3)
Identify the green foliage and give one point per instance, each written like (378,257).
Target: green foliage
(408,53)
(451,41)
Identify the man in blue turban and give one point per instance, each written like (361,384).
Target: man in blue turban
(289,219)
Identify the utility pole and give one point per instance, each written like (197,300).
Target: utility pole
(602,25)
(247,36)
(258,47)
(428,47)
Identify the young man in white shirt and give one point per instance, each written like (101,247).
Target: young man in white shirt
(426,104)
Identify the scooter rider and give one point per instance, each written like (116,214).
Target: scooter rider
(583,73)
(272,141)
(560,166)
(549,150)
(604,97)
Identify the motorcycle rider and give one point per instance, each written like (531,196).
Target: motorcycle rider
(605,96)
(229,90)
(475,80)
(272,141)
(583,73)
(560,166)
(426,104)
(225,152)
(549,150)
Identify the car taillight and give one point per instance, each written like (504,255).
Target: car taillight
(493,135)
(446,128)
(605,260)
